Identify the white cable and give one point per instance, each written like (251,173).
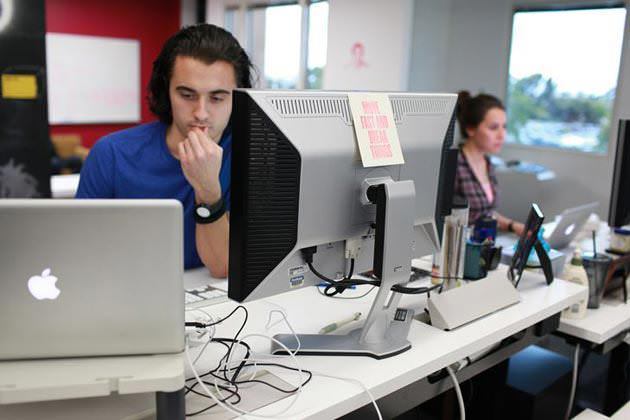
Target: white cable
(280,309)
(576,356)
(354,381)
(230,407)
(286,321)
(226,365)
(458,391)
(289,352)
(211,330)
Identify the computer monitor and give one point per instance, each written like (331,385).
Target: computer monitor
(527,241)
(619,210)
(298,183)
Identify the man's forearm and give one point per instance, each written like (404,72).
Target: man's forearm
(213,245)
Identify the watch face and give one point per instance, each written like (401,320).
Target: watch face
(203,212)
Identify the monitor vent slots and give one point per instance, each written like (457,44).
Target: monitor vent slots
(272,191)
(297,107)
(412,106)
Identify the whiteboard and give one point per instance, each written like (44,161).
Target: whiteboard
(92,79)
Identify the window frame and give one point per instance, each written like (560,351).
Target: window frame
(571,5)
(242,30)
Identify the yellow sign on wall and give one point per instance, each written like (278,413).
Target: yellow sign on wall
(19,86)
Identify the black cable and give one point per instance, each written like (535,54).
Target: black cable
(318,274)
(204,325)
(211,406)
(351,271)
(236,383)
(230,374)
(413,290)
(195,324)
(277,388)
(306,381)
(227,356)
(347,283)
(192,387)
(340,286)
(223,342)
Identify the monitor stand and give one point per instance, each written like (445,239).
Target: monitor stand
(385,331)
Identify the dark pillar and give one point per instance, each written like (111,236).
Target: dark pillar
(25,147)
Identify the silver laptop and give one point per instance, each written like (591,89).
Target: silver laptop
(569,224)
(90,278)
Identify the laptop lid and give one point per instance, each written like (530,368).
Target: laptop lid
(90,278)
(569,224)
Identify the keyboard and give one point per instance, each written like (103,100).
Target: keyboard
(204,296)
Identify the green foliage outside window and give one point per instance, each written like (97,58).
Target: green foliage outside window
(540,115)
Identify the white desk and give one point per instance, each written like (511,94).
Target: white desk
(603,329)
(37,381)
(432,349)
(610,319)
(308,311)
(599,325)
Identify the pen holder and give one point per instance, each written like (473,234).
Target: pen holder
(480,258)
(474,265)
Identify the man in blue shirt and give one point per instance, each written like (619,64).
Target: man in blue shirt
(186,154)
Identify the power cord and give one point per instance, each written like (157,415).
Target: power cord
(229,373)
(336,287)
(231,383)
(576,356)
(458,391)
(334,296)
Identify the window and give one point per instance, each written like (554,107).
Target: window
(317,42)
(286,41)
(563,72)
(282,46)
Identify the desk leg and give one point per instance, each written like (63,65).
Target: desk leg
(170,405)
(617,382)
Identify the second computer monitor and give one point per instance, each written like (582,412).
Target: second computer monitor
(297,182)
(619,211)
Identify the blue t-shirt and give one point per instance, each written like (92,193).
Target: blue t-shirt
(136,163)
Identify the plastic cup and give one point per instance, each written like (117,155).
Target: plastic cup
(596,267)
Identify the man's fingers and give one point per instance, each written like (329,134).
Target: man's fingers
(195,142)
(181,149)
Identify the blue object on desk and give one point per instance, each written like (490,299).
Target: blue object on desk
(532,258)
(485,228)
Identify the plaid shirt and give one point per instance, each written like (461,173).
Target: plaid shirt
(468,186)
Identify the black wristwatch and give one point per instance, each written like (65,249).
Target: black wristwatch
(205,213)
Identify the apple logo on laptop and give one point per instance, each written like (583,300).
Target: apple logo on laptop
(43,287)
(569,229)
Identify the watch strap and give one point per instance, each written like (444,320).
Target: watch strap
(215,211)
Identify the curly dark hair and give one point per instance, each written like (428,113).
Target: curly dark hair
(205,42)
(471,110)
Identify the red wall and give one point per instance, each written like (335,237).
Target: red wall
(149,21)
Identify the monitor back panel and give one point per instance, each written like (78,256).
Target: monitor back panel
(118,266)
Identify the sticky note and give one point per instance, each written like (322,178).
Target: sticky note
(375,129)
(19,86)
